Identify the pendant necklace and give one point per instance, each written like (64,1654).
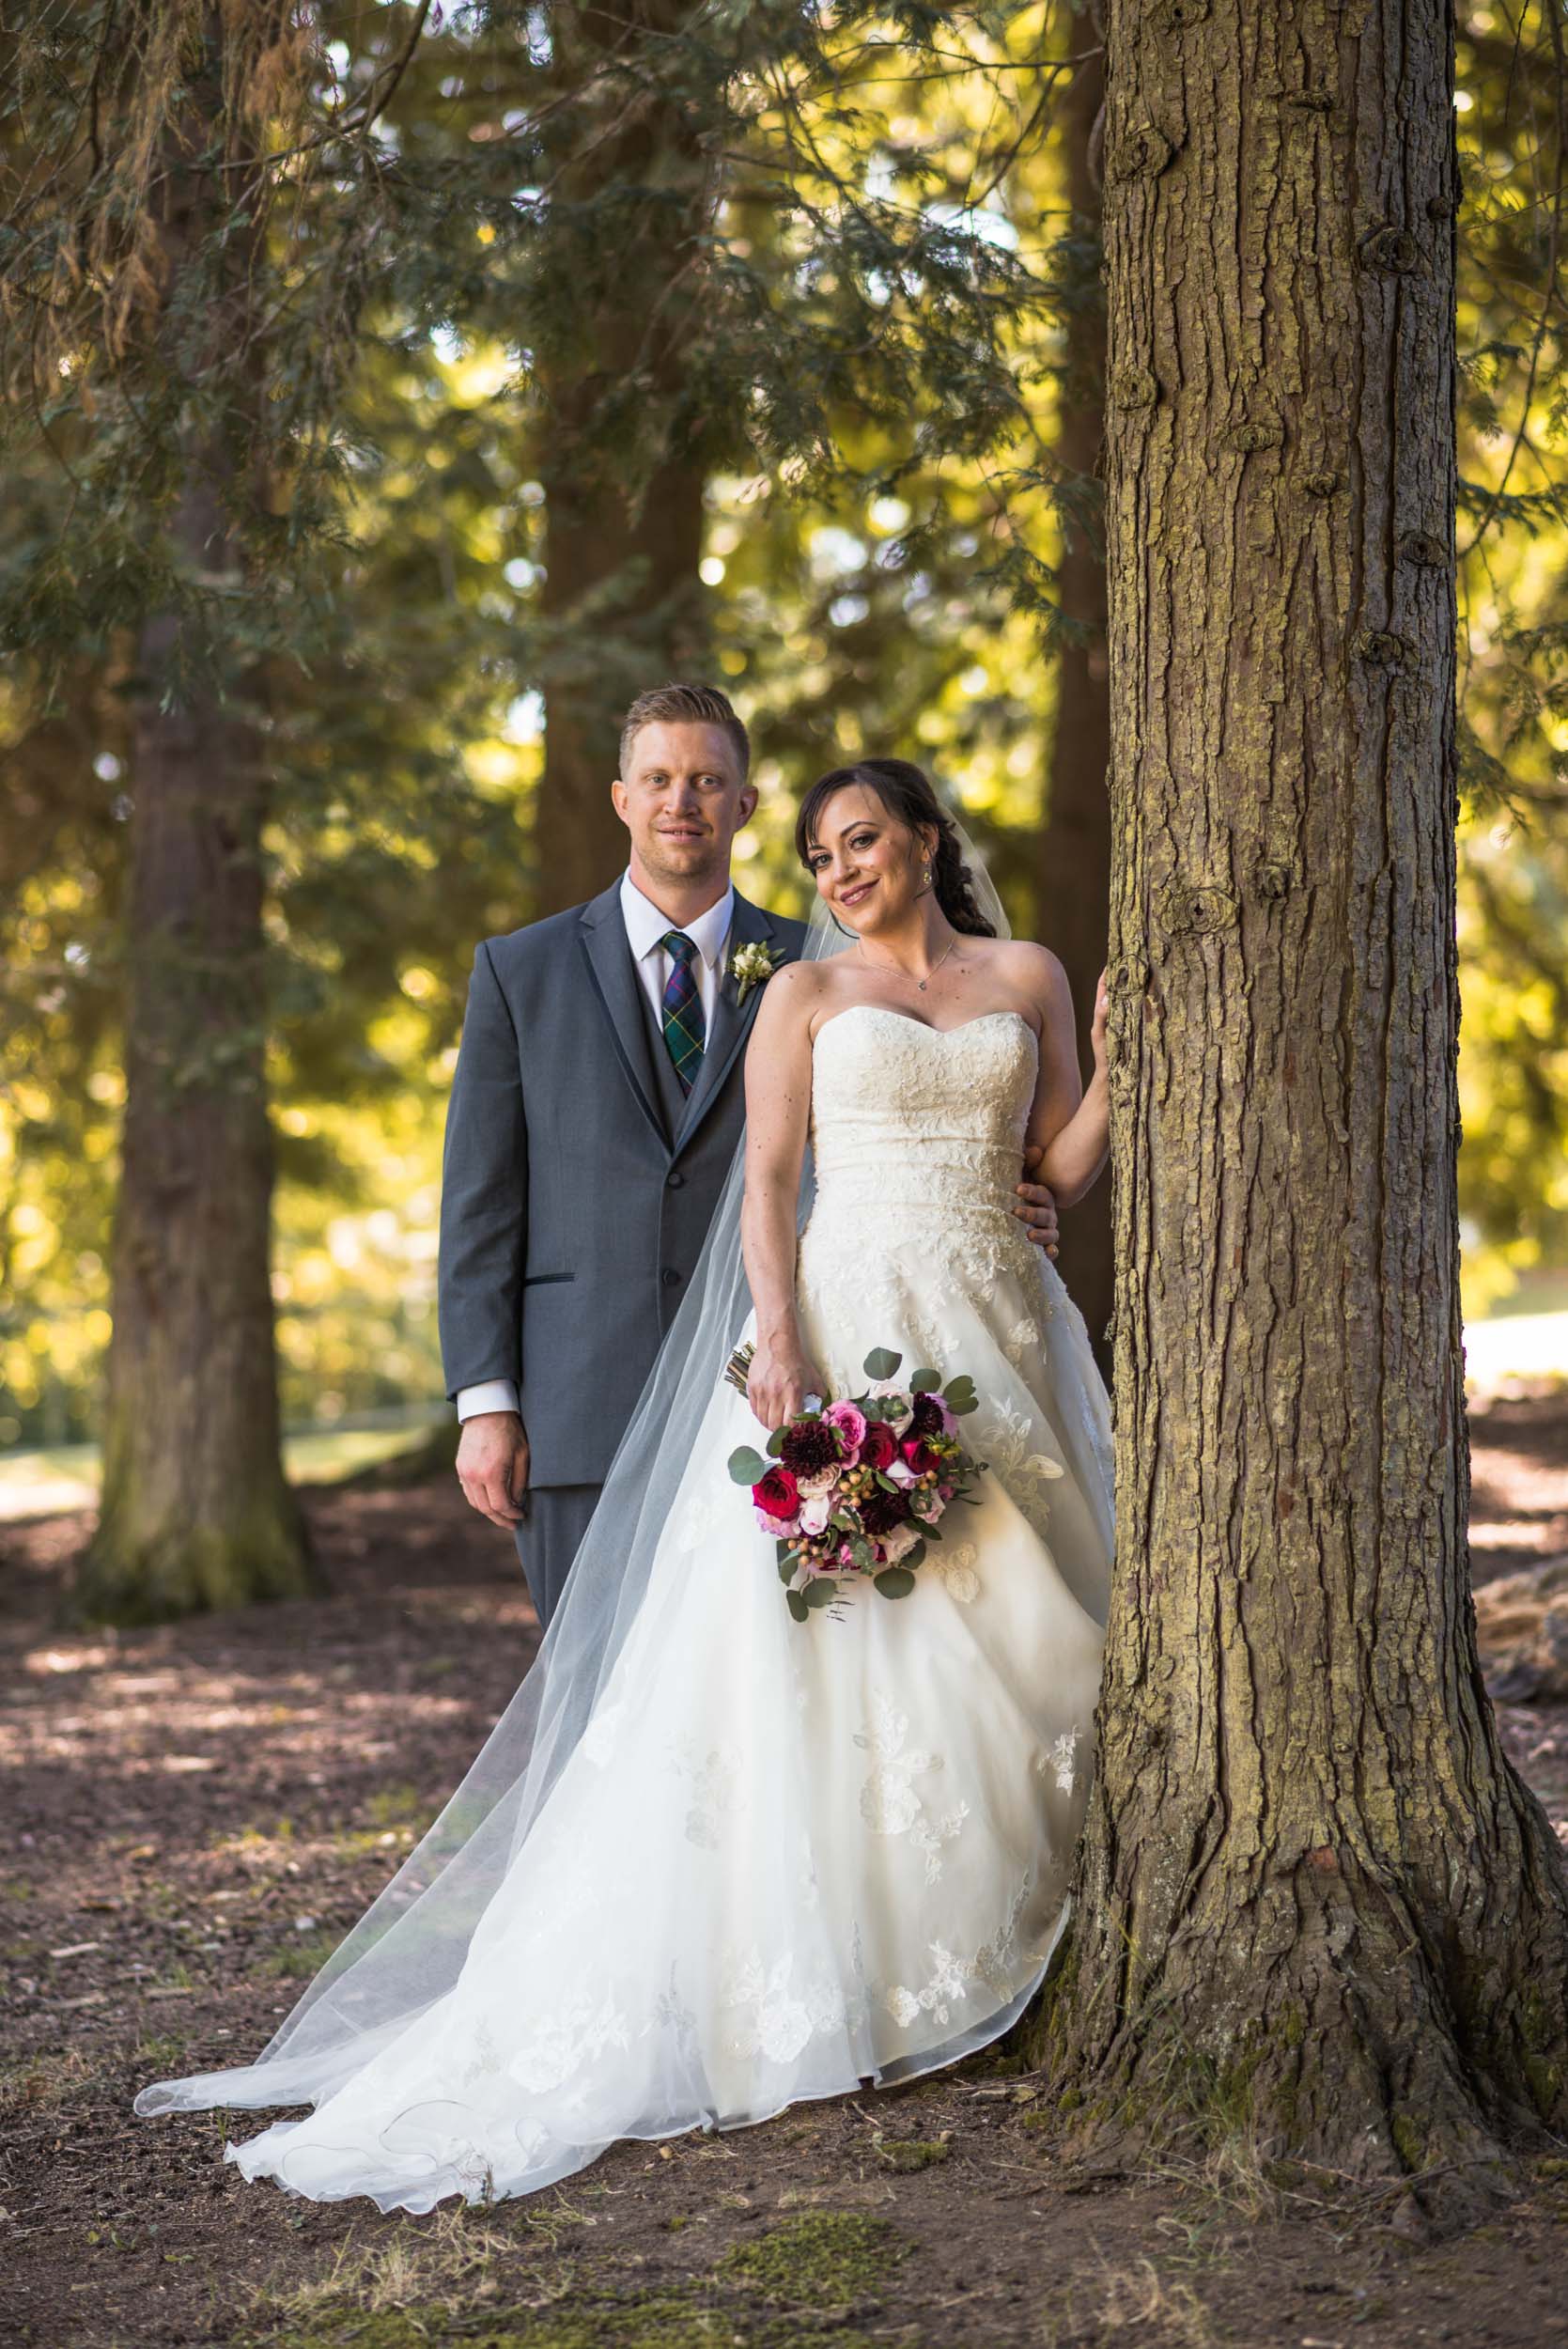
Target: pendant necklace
(921,984)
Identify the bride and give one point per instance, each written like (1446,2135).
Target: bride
(713,1860)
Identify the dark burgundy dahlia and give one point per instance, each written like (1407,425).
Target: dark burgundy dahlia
(881,1511)
(810,1446)
(927,1418)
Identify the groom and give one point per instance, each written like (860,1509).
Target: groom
(595,1113)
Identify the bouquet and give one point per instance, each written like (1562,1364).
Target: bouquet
(860,1487)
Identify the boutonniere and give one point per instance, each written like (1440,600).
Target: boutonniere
(751,965)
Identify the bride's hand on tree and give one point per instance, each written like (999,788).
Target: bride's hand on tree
(779,1381)
(1096,1032)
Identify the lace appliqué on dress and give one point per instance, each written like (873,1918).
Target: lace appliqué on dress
(1061,1762)
(715,1794)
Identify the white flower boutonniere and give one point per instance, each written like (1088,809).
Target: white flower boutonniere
(751,965)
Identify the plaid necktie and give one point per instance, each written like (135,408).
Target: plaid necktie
(682,1009)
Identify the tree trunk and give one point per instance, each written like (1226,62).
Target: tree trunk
(1314,1899)
(621,464)
(196,1511)
(1073,866)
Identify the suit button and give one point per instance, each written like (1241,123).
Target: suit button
(674,1180)
(671,1278)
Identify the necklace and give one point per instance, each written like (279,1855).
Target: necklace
(921,984)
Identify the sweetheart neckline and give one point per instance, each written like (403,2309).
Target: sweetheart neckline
(923,1026)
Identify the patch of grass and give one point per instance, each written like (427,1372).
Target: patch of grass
(383,2280)
(825,2260)
(303,1956)
(1137,2302)
(665,2319)
(41,2080)
(159,2056)
(399,1807)
(911,2153)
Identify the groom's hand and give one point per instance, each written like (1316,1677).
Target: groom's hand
(1036,1209)
(492,1465)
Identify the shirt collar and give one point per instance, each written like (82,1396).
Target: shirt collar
(647,927)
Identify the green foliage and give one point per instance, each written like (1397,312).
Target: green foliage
(881,320)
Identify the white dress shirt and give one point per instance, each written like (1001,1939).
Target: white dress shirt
(645,928)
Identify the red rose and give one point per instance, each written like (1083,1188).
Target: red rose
(777,1494)
(920,1455)
(880,1448)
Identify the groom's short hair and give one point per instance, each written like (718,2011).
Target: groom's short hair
(686,706)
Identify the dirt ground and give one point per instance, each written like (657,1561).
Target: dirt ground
(192,1815)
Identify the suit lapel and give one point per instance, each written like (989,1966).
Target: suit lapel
(732,1018)
(608,954)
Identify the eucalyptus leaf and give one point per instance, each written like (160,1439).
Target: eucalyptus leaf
(896,1581)
(924,1381)
(747,1467)
(775,1442)
(862,1553)
(820,1592)
(797,1606)
(913,1558)
(787,1565)
(880,1363)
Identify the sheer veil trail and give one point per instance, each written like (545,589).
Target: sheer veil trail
(408,1948)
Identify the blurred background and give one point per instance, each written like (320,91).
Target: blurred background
(419,383)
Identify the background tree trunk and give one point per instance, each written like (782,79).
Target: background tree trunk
(1072,881)
(620,460)
(195,1510)
(1314,1899)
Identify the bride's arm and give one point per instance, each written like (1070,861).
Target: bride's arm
(777,1116)
(1070,1126)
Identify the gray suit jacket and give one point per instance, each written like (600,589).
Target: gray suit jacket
(571,1215)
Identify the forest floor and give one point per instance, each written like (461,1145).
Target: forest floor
(193,1816)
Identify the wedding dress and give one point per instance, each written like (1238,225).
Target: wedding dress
(783,1859)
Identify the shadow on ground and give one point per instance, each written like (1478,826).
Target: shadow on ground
(193,1815)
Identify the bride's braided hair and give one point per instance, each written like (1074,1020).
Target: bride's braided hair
(906,792)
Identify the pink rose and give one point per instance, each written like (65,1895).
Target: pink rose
(851,1425)
(927,1504)
(780,1528)
(822,1481)
(899,1542)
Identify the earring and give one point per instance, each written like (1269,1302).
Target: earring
(925,878)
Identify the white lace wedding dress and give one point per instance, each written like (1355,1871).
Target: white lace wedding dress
(785,1859)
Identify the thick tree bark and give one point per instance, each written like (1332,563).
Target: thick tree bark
(1072,883)
(1314,1899)
(620,462)
(196,1511)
